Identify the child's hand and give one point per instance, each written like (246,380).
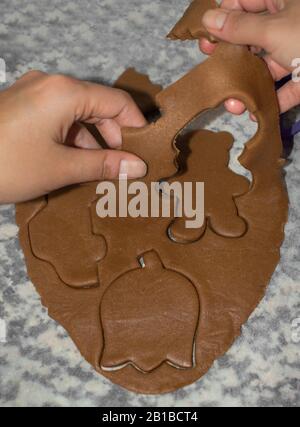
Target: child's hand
(272,25)
(40,133)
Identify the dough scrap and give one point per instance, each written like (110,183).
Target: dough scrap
(140,88)
(189,27)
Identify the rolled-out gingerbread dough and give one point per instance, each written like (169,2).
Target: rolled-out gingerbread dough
(149,303)
(142,90)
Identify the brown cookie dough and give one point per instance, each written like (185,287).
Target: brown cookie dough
(222,187)
(189,27)
(65,221)
(163,310)
(140,88)
(149,299)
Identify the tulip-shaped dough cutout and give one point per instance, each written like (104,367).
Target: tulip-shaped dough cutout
(146,314)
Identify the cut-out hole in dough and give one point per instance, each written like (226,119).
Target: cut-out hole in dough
(204,157)
(242,128)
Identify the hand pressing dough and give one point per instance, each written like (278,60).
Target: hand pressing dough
(162,311)
(142,90)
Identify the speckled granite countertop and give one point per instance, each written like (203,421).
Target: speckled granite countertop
(39,364)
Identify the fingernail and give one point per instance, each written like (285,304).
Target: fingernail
(130,169)
(215,19)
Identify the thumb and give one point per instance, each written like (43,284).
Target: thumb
(238,27)
(79,166)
